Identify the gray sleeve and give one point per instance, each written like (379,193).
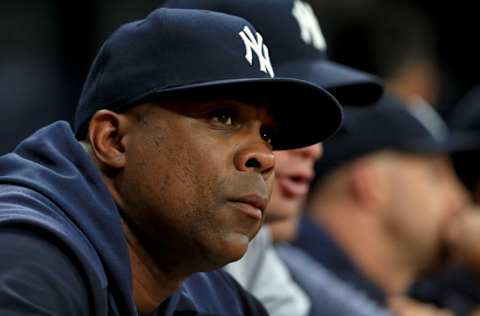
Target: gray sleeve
(37,276)
(264,275)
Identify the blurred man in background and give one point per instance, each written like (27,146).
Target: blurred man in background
(381,211)
(398,44)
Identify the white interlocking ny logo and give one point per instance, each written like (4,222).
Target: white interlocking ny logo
(260,49)
(310,29)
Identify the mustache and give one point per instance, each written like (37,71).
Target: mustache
(248,184)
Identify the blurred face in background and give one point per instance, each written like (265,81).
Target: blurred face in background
(294,171)
(423,195)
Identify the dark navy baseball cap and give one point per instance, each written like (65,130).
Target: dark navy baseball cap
(388,125)
(298,47)
(178,53)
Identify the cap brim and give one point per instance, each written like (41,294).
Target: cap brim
(349,86)
(306,114)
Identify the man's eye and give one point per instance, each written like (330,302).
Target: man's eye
(267,134)
(223,116)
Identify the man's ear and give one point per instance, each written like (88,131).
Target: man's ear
(368,183)
(107,135)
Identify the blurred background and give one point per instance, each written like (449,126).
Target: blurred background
(427,48)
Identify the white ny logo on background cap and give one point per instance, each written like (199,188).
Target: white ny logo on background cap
(310,29)
(261,50)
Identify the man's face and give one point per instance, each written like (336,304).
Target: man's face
(424,196)
(294,170)
(198,178)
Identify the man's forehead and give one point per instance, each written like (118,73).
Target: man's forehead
(262,107)
(254,104)
(249,102)
(238,99)
(191,105)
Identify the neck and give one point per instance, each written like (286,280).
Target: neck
(151,284)
(369,249)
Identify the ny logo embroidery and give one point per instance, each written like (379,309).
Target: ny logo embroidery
(310,29)
(256,45)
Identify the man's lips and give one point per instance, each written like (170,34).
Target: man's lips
(252,205)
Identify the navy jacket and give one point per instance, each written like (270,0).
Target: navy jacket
(62,247)
(453,289)
(321,247)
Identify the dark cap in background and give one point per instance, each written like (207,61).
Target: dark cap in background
(388,125)
(298,47)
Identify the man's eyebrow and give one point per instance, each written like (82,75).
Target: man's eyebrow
(229,101)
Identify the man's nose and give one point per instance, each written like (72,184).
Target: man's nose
(257,157)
